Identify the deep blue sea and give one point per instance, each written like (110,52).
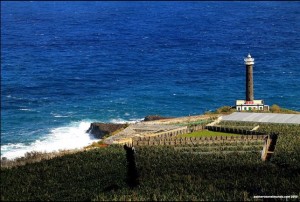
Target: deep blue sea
(67,64)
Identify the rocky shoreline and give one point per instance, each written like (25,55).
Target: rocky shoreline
(100,130)
(110,133)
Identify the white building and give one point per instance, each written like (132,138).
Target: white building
(243,105)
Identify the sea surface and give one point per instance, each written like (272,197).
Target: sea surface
(67,64)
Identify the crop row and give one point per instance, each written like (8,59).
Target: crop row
(234,129)
(263,127)
(224,148)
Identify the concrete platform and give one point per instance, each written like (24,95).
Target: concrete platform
(263,117)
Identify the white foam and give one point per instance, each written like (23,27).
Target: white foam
(24,109)
(73,136)
(16,98)
(122,121)
(56,115)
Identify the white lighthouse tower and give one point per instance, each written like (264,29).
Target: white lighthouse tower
(249,103)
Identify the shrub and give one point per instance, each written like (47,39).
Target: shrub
(275,108)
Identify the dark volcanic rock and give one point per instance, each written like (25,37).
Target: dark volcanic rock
(101,129)
(155,117)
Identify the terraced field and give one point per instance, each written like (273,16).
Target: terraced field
(211,171)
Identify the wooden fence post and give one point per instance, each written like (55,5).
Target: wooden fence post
(269,146)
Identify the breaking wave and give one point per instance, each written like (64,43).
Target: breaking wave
(73,136)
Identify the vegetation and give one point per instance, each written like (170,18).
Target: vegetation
(223,147)
(206,133)
(34,156)
(222,110)
(273,109)
(264,127)
(96,144)
(287,147)
(276,109)
(80,176)
(224,172)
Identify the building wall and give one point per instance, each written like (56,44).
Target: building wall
(249,107)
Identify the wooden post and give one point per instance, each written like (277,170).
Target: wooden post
(132,173)
(269,146)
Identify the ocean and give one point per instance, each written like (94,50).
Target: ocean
(67,64)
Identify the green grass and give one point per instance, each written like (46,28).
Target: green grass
(207,133)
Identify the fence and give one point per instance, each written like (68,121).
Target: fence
(148,141)
(166,134)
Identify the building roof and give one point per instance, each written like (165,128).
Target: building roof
(254,102)
(263,117)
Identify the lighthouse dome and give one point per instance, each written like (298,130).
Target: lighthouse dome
(249,60)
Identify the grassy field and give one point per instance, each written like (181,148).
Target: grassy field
(165,173)
(206,133)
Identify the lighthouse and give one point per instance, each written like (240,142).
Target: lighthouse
(249,62)
(250,104)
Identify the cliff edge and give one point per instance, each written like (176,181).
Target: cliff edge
(99,130)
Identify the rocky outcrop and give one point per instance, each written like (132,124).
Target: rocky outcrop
(155,117)
(99,130)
